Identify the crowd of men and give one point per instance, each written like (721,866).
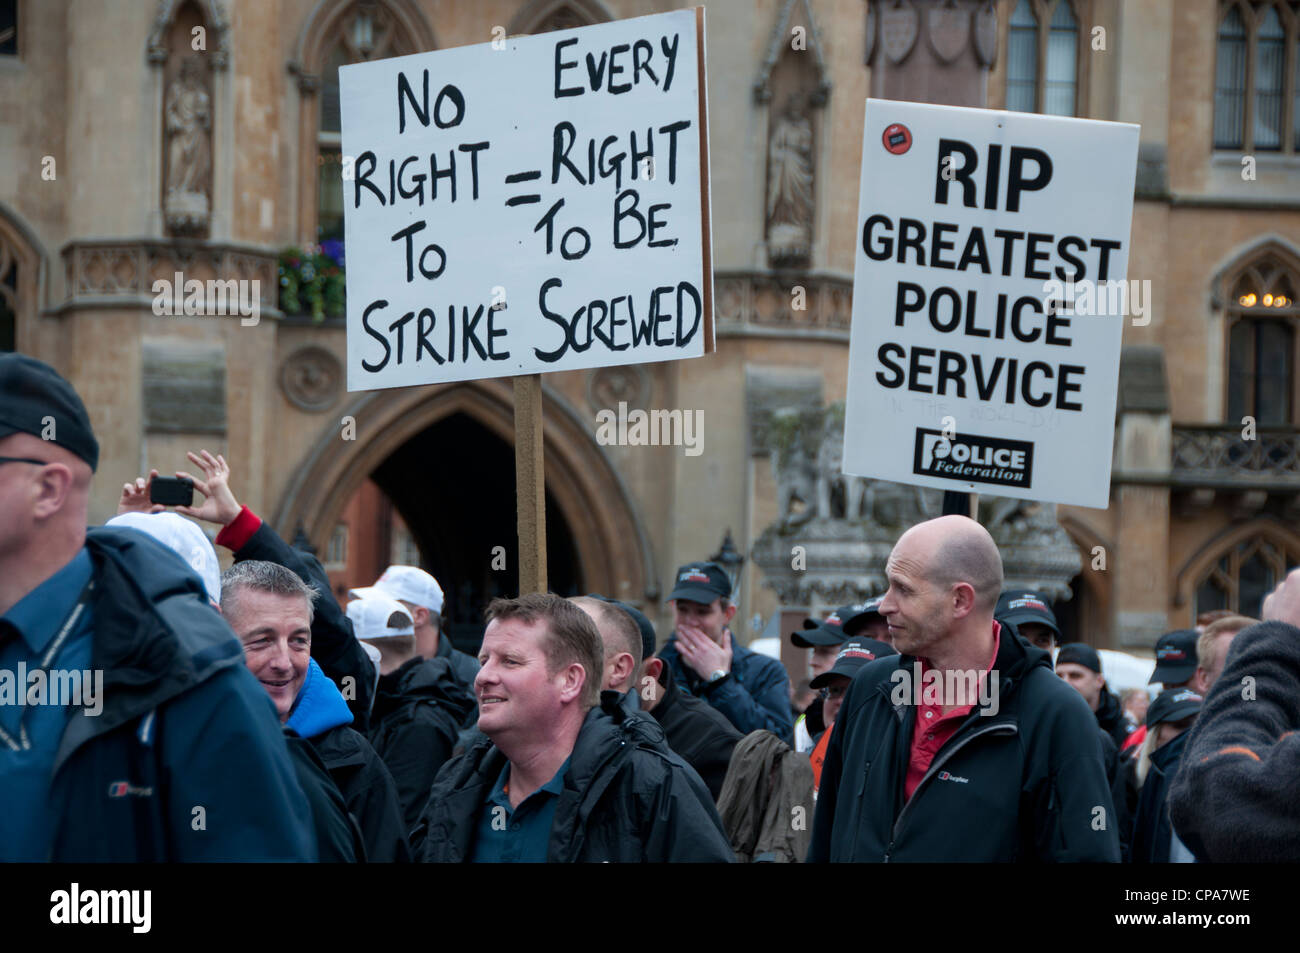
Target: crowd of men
(248,715)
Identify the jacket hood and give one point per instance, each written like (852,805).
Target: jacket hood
(156,634)
(319,706)
(1109,714)
(431,679)
(1013,662)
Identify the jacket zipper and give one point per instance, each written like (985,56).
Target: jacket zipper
(935,765)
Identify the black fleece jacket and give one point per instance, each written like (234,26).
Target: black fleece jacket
(1024,784)
(1234,797)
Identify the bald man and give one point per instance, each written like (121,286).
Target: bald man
(965,746)
(151,741)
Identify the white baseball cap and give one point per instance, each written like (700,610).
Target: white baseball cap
(379,617)
(182,537)
(407,583)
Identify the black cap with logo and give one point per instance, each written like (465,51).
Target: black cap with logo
(855,654)
(1173,704)
(1175,657)
(828,631)
(701,582)
(1019,606)
(857,616)
(34,399)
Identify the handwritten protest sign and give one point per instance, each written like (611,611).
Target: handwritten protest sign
(989,295)
(537,204)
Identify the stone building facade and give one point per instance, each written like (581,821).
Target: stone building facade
(145,139)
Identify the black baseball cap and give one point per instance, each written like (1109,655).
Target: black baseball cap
(642,623)
(1175,657)
(855,654)
(1079,653)
(828,631)
(701,582)
(1173,704)
(35,399)
(1019,606)
(856,616)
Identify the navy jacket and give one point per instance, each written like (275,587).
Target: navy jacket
(187,761)
(755,696)
(1152,829)
(1024,784)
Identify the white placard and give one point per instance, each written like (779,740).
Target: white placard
(966,371)
(532,204)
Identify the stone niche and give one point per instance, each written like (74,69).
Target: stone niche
(180,45)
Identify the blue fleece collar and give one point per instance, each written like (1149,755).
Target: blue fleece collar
(319,706)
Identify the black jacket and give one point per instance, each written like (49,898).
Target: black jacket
(464,667)
(1123,790)
(1110,716)
(338,839)
(1234,798)
(626,798)
(1152,828)
(369,791)
(1019,785)
(183,724)
(333,645)
(418,711)
(701,735)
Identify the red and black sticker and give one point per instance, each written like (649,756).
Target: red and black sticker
(897,138)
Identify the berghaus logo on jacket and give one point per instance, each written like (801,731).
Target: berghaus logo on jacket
(946,776)
(127,789)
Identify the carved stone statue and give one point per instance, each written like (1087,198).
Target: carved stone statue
(188,122)
(790,186)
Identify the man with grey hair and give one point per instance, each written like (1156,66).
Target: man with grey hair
(271,609)
(965,746)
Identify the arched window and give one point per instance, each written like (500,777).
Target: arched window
(1022,59)
(1043,61)
(1061,76)
(1261,322)
(339,33)
(20,283)
(1257,76)
(1247,572)
(545,16)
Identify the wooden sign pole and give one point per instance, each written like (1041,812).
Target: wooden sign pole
(530,483)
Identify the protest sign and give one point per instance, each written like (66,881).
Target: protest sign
(535,204)
(989,295)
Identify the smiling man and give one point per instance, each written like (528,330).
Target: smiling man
(566,773)
(271,610)
(918,774)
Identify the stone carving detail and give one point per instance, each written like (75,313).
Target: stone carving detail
(606,386)
(847,525)
(790,187)
(760,299)
(129,269)
(899,25)
(311,378)
(218,27)
(986,34)
(948,27)
(188,124)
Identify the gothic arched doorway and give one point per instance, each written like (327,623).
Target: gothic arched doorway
(442,457)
